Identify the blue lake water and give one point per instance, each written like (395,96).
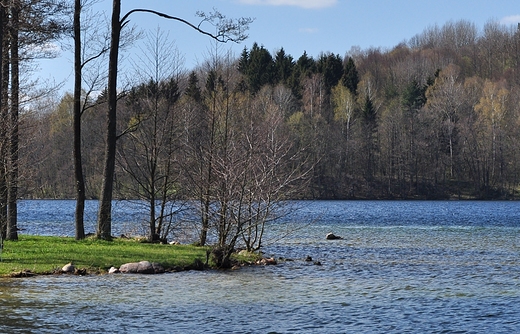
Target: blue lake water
(402,267)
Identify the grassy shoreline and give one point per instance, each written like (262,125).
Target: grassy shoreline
(46,255)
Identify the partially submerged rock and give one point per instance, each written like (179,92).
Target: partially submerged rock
(309,259)
(267,261)
(143,267)
(332,236)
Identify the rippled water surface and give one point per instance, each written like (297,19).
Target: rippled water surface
(402,267)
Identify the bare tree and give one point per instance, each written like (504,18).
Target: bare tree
(444,101)
(492,111)
(276,169)
(244,164)
(148,153)
(344,106)
(226,30)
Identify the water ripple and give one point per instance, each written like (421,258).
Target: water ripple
(407,267)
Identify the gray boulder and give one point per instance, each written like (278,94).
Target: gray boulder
(143,267)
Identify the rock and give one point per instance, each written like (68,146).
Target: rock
(113,270)
(196,265)
(143,267)
(267,261)
(332,236)
(80,271)
(157,268)
(23,273)
(68,268)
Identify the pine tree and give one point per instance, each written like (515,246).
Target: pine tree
(331,67)
(260,68)
(303,68)
(369,112)
(243,62)
(413,96)
(350,77)
(283,67)
(193,90)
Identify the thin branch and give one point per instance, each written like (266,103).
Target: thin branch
(101,53)
(227,29)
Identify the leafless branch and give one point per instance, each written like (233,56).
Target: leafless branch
(227,29)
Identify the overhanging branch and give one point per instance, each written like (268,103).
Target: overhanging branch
(227,29)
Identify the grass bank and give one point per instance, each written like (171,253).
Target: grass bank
(43,255)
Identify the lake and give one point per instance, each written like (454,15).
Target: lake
(401,267)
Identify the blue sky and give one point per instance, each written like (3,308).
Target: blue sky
(313,26)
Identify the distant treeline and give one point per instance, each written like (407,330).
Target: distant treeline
(435,117)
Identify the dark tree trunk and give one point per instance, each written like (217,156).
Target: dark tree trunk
(4,78)
(12,193)
(104,229)
(78,165)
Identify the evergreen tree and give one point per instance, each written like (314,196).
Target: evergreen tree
(303,67)
(369,147)
(283,67)
(369,112)
(331,67)
(413,97)
(350,77)
(258,67)
(243,62)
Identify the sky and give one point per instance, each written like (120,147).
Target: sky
(297,26)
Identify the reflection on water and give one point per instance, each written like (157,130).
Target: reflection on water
(413,277)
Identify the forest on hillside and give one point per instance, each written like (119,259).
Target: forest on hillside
(435,117)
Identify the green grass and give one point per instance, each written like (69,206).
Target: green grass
(43,255)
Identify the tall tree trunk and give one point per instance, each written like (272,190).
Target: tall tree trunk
(207,183)
(4,78)
(78,165)
(12,193)
(104,229)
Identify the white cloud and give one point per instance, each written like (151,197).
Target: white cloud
(513,19)
(298,3)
